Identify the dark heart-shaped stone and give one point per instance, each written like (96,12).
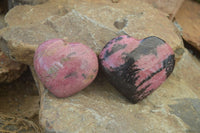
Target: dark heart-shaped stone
(137,67)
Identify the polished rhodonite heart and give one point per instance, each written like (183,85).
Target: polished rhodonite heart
(65,68)
(137,67)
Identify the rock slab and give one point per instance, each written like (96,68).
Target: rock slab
(100,108)
(189,19)
(82,23)
(169,6)
(9,69)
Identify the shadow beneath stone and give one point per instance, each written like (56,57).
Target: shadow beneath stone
(192,49)
(188,109)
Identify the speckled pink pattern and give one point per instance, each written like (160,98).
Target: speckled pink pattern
(65,68)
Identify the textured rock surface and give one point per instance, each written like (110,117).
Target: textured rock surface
(169,6)
(2,22)
(189,19)
(86,24)
(100,108)
(19,102)
(9,70)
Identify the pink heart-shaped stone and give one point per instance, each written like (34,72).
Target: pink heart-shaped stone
(65,68)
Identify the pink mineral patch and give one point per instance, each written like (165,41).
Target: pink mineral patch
(116,59)
(151,63)
(65,68)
